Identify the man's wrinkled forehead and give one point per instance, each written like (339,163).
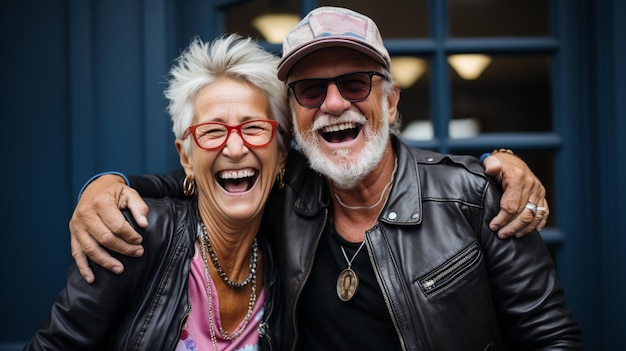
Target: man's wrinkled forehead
(330,62)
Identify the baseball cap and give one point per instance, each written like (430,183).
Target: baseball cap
(330,26)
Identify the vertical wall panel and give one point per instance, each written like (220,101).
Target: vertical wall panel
(35,177)
(572,180)
(611,173)
(158,54)
(118,81)
(82,92)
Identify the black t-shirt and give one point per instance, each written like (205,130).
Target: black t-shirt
(327,323)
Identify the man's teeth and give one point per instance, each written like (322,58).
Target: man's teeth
(237,174)
(338,127)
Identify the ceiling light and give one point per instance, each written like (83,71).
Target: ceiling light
(275,26)
(406,70)
(469,66)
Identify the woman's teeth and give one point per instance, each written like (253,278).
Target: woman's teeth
(237,181)
(237,174)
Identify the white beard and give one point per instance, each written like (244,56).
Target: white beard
(345,174)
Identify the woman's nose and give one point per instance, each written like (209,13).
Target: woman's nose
(235,146)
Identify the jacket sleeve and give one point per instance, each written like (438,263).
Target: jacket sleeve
(83,315)
(529,299)
(159,185)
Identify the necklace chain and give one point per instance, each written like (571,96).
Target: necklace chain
(357,250)
(354,256)
(380,199)
(220,270)
(204,246)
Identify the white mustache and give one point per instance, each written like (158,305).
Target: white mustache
(347,118)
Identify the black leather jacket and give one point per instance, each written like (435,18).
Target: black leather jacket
(145,307)
(449,283)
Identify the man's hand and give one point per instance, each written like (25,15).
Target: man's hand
(521,187)
(97,219)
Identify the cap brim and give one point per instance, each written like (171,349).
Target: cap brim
(287,62)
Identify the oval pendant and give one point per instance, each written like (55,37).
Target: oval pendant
(347,284)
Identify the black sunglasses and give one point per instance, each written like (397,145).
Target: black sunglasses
(354,87)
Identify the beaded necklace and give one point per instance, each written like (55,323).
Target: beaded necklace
(204,246)
(220,270)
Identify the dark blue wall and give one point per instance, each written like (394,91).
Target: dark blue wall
(82,92)
(36,143)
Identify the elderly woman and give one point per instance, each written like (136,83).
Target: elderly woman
(207,280)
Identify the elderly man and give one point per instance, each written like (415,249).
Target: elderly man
(381,246)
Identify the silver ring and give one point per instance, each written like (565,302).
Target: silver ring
(532,207)
(541,209)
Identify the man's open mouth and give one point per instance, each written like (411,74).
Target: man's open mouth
(238,181)
(341,132)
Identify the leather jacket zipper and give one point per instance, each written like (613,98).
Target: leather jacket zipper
(265,341)
(305,278)
(451,271)
(384,292)
(183,320)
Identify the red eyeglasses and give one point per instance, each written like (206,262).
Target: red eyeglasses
(213,135)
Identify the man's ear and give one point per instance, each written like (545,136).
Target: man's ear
(392,99)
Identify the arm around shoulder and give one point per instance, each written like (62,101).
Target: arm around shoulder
(529,298)
(159,185)
(522,188)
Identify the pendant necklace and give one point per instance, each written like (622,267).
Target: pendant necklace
(348,281)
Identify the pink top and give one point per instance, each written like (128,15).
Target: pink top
(195,334)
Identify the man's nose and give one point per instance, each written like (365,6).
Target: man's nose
(334,101)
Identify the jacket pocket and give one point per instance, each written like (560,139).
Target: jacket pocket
(452,270)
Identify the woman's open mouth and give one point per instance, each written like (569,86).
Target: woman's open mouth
(237,181)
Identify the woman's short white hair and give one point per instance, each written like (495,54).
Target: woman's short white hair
(231,56)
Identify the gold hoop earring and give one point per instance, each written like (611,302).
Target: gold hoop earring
(281,179)
(189,185)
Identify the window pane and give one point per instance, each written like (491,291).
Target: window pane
(394,18)
(513,94)
(499,18)
(241,18)
(414,105)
